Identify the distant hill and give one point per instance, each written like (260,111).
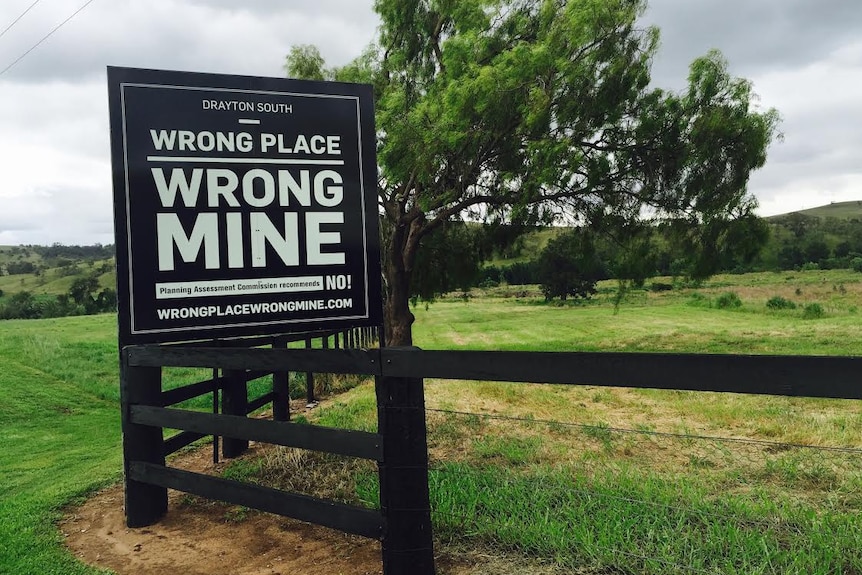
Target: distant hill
(840,210)
(51,270)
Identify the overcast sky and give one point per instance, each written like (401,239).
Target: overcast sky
(804,57)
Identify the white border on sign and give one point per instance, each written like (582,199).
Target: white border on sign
(133,331)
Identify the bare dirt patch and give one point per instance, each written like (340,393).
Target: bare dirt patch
(210,538)
(198,537)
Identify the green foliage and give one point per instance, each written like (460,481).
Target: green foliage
(23,267)
(305,62)
(515,112)
(812,311)
(778,302)
(518,273)
(569,266)
(448,260)
(728,300)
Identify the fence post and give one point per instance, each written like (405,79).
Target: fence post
(234,402)
(145,504)
(404,496)
(309,379)
(280,388)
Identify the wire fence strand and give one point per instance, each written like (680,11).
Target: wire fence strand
(739,440)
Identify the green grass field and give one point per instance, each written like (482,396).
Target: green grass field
(636,493)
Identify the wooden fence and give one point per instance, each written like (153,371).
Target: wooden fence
(403,522)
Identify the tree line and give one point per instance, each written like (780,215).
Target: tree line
(84,297)
(574,259)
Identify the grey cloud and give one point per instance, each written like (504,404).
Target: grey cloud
(753,34)
(66,215)
(200,36)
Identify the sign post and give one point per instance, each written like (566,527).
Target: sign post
(243,205)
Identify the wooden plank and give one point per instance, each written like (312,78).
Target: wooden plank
(179,394)
(808,376)
(180,440)
(346,518)
(318,360)
(256,404)
(359,444)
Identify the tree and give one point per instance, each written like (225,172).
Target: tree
(449,259)
(83,291)
(570,266)
(526,111)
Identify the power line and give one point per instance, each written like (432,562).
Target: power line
(15,21)
(46,36)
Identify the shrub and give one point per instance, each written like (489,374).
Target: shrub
(810,266)
(660,286)
(778,302)
(569,266)
(812,311)
(856,264)
(728,300)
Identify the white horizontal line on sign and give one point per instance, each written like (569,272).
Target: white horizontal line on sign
(215,288)
(286,161)
(248,121)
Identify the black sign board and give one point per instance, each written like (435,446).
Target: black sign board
(243,205)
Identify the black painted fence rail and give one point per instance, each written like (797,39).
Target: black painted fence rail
(808,376)
(346,518)
(358,444)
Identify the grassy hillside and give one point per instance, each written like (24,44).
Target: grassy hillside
(840,210)
(53,281)
(50,270)
(18,253)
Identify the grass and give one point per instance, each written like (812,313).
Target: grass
(683,320)
(656,497)
(607,480)
(60,431)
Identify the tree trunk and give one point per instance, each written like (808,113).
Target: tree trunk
(398,268)
(396,309)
